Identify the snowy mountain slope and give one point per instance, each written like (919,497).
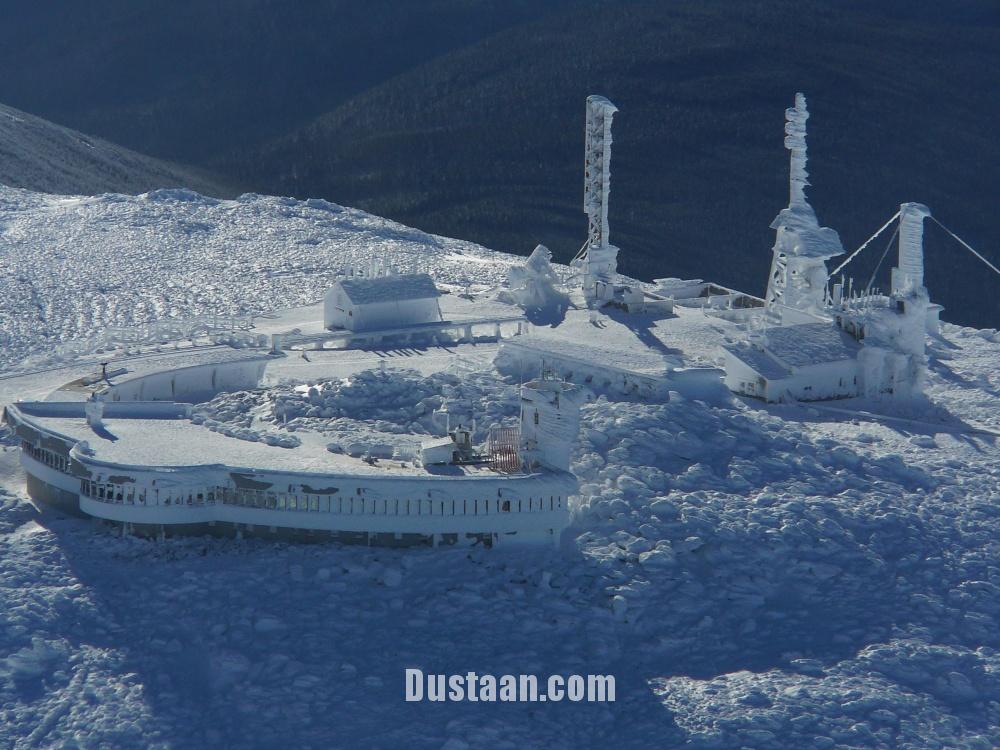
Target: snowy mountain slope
(763,577)
(73,265)
(36,154)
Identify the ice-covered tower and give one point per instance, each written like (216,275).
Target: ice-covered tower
(600,264)
(550,421)
(893,359)
(908,291)
(908,275)
(799,275)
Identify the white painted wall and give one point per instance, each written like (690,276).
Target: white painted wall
(813,383)
(200,382)
(340,312)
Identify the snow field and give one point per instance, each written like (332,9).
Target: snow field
(75,265)
(754,577)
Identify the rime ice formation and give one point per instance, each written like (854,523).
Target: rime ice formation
(534,287)
(797,283)
(894,328)
(601,259)
(908,276)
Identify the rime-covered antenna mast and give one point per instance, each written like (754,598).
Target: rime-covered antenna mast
(597,169)
(797,283)
(795,141)
(599,258)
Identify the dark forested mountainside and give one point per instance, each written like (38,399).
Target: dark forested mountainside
(187,79)
(486,143)
(38,155)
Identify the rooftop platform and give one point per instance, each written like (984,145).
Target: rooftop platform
(171,442)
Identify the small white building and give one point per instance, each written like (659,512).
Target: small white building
(370,304)
(805,362)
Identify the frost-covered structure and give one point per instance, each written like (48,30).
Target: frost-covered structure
(874,347)
(381,302)
(798,279)
(157,469)
(600,262)
(534,286)
(803,362)
(893,328)
(550,421)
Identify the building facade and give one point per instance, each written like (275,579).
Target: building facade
(383,302)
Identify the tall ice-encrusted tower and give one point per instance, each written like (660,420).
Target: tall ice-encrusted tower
(908,290)
(799,276)
(600,263)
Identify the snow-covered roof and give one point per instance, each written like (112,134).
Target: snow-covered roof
(177,444)
(759,361)
(366,291)
(810,344)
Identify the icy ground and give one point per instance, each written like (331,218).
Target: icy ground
(375,412)
(73,265)
(783,577)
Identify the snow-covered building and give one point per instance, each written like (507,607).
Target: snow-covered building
(796,288)
(382,302)
(155,469)
(804,362)
(873,347)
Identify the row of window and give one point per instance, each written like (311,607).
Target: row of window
(50,459)
(132,495)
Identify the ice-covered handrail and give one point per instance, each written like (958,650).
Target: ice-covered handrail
(966,245)
(866,243)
